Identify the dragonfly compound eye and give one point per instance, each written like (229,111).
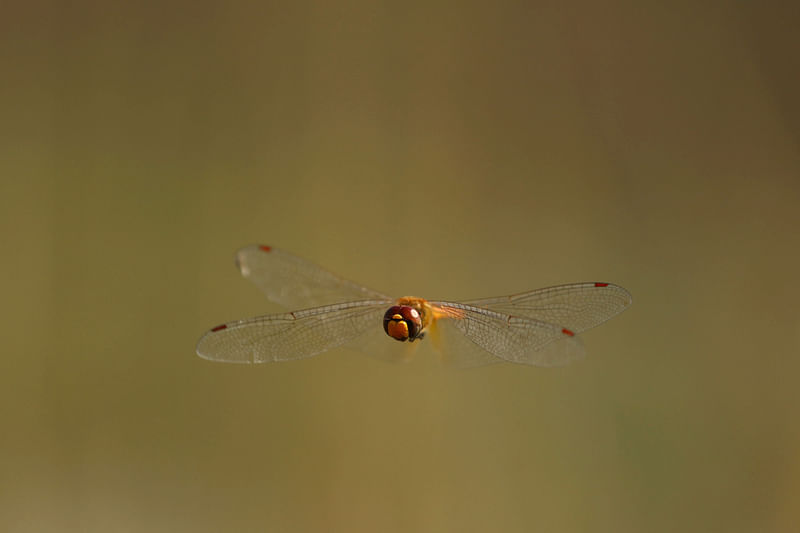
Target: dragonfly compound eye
(402,322)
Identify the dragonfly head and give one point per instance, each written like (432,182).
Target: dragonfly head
(402,322)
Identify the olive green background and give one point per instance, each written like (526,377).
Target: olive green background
(445,150)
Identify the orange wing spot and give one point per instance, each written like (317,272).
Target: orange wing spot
(219,328)
(448,312)
(567,332)
(265,248)
(398,330)
(601,284)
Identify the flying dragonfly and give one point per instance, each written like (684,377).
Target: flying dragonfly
(539,327)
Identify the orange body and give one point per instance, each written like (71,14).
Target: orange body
(411,317)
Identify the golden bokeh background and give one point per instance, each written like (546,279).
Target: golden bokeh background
(447,150)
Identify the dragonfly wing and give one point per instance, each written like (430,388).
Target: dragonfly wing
(515,339)
(576,307)
(456,349)
(294,335)
(296,283)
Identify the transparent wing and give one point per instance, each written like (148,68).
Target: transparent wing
(515,339)
(291,335)
(295,283)
(455,349)
(576,307)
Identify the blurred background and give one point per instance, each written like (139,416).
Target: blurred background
(447,150)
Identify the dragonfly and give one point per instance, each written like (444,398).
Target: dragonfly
(538,327)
